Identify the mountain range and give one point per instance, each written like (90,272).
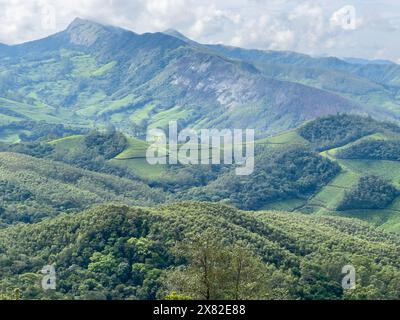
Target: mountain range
(92,74)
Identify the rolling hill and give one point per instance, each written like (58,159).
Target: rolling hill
(118,252)
(326,201)
(33,189)
(300,170)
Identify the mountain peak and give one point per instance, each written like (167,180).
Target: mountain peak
(176,34)
(80,22)
(86,32)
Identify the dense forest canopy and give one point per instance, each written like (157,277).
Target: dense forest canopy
(372,150)
(371,192)
(337,130)
(117,252)
(279,174)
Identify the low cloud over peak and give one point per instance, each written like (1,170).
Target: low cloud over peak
(318,27)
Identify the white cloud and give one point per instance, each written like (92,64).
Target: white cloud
(310,26)
(345,18)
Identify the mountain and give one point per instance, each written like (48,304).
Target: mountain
(118,252)
(179,35)
(366,61)
(91,73)
(374,84)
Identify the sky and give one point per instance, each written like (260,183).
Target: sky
(367,29)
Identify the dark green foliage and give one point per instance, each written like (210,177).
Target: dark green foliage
(335,131)
(372,150)
(180,177)
(116,252)
(108,144)
(93,154)
(370,193)
(218,271)
(40,130)
(279,174)
(34,149)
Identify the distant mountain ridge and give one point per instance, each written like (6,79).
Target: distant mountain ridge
(92,73)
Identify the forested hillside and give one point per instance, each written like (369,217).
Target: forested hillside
(318,168)
(33,189)
(117,252)
(335,131)
(280,174)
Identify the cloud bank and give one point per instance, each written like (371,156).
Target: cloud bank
(362,28)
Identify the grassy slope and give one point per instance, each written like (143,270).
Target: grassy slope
(326,201)
(134,159)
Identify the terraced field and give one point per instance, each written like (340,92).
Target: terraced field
(134,159)
(326,200)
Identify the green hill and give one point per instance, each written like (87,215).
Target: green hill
(119,252)
(133,158)
(336,134)
(33,189)
(301,170)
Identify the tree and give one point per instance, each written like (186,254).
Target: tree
(215,271)
(101,263)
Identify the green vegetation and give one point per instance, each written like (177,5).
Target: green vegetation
(29,131)
(216,272)
(32,189)
(372,150)
(76,191)
(371,192)
(336,131)
(116,252)
(280,174)
(108,144)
